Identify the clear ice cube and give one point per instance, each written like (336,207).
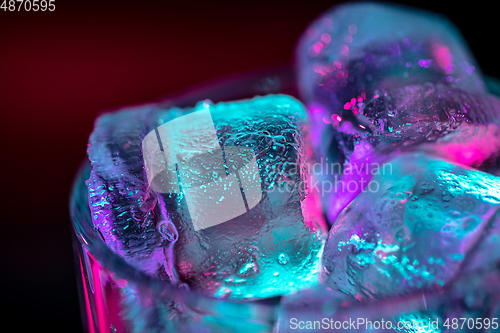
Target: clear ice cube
(273,247)
(213,198)
(383,78)
(418,231)
(363,47)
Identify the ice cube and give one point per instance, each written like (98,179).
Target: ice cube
(414,114)
(416,232)
(353,50)
(427,117)
(213,198)
(268,246)
(121,205)
(379,79)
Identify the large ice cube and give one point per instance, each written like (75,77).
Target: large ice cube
(381,78)
(271,246)
(428,117)
(213,198)
(355,49)
(416,232)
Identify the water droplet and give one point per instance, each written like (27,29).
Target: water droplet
(223,292)
(167,229)
(403,234)
(183,286)
(246,269)
(282,259)
(470,223)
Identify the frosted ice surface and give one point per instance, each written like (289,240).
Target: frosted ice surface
(226,213)
(122,207)
(416,232)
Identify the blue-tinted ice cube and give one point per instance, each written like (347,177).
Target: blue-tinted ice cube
(214,198)
(416,232)
(270,248)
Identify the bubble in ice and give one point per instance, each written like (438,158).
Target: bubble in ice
(233,217)
(416,232)
(282,259)
(168,230)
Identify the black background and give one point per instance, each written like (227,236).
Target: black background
(59,69)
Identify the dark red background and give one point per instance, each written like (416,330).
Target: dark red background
(59,69)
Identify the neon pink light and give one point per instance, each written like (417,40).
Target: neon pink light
(344,49)
(311,205)
(317,47)
(443,57)
(90,318)
(336,117)
(99,295)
